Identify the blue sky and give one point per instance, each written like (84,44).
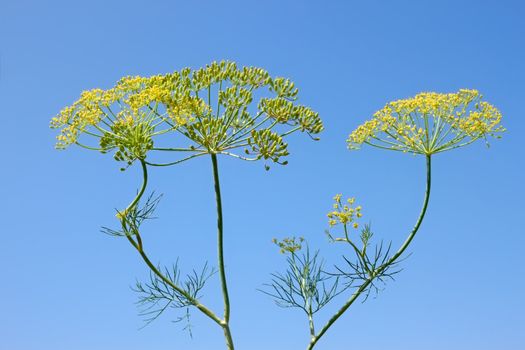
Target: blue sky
(64,285)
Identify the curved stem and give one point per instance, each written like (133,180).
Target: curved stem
(291,131)
(142,188)
(238,156)
(177,161)
(419,219)
(220,253)
(177,149)
(194,301)
(138,245)
(367,282)
(88,147)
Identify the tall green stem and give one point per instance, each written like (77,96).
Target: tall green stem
(393,259)
(220,253)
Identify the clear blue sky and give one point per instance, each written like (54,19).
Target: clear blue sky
(64,285)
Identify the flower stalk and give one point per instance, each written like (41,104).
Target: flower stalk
(220,254)
(378,271)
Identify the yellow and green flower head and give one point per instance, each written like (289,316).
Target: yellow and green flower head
(430,123)
(289,244)
(344,213)
(219,109)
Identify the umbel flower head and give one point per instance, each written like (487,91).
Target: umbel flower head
(430,123)
(344,213)
(210,110)
(289,244)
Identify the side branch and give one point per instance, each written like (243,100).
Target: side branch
(383,267)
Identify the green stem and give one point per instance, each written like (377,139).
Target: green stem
(358,252)
(419,220)
(193,301)
(177,149)
(177,161)
(138,245)
(291,131)
(142,188)
(311,324)
(88,147)
(220,253)
(367,282)
(338,314)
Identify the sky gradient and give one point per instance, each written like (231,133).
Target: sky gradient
(64,285)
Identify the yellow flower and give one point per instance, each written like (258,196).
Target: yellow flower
(127,117)
(289,244)
(343,214)
(430,123)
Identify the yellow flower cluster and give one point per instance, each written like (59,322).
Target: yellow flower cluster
(344,213)
(213,73)
(217,72)
(207,132)
(85,112)
(268,145)
(235,97)
(251,76)
(130,135)
(429,123)
(277,108)
(138,108)
(285,111)
(289,244)
(186,109)
(284,88)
